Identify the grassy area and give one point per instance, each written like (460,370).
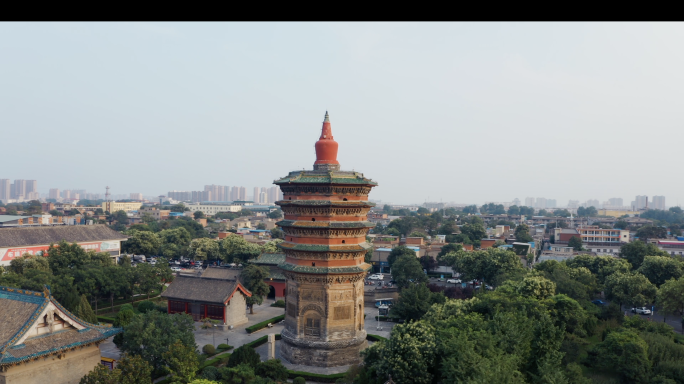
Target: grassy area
(264,324)
(375,337)
(107,311)
(104,303)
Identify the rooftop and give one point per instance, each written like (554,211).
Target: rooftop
(203,288)
(22,309)
(26,236)
(325,177)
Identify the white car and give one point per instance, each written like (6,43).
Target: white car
(175,269)
(641,311)
(454,281)
(376,277)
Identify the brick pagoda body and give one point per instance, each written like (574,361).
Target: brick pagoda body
(325,227)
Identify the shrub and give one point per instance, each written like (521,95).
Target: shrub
(146,306)
(209,349)
(125,307)
(224,347)
(375,337)
(279,304)
(244,355)
(299,380)
(264,324)
(162,308)
(273,369)
(210,373)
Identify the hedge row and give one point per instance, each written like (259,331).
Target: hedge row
(264,324)
(261,341)
(104,319)
(375,337)
(317,377)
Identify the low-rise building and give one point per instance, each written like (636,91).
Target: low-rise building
(155,213)
(592,235)
(126,206)
(216,294)
(41,342)
(14,242)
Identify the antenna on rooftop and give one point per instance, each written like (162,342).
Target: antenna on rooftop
(107,194)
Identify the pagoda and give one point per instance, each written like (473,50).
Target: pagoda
(325,227)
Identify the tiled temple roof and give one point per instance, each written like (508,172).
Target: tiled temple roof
(26,236)
(336,203)
(203,289)
(269,259)
(21,310)
(325,177)
(325,224)
(324,270)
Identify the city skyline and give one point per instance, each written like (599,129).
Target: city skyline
(422,107)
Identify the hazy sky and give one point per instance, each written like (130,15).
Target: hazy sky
(432,111)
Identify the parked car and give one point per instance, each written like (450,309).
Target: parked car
(600,303)
(641,311)
(454,281)
(375,277)
(175,269)
(487,287)
(153,262)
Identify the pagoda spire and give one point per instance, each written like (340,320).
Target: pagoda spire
(326,148)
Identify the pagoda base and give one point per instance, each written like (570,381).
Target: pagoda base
(322,353)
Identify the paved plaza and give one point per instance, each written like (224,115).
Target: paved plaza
(239,336)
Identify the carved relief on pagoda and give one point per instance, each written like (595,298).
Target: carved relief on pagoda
(326,233)
(324,279)
(324,255)
(325,211)
(325,190)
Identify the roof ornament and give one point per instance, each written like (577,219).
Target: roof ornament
(326,148)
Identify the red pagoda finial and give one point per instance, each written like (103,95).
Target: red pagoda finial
(326,148)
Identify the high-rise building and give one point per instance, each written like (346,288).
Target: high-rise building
(515,201)
(658,203)
(591,203)
(5,189)
(19,189)
(573,204)
(551,203)
(31,186)
(540,203)
(529,202)
(54,193)
(137,196)
(641,202)
(273,194)
(180,195)
(218,192)
(324,266)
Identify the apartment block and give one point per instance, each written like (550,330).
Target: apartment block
(658,203)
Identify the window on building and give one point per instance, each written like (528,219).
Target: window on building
(313,327)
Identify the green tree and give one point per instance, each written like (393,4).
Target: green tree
(670,297)
(102,375)
(142,243)
(261,226)
(182,362)
(277,214)
(651,232)
(241,374)
(415,301)
(235,248)
(522,234)
(253,276)
(576,243)
(624,352)
(513,210)
(621,224)
(635,252)
(537,287)
(407,269)
(489,264)
(199,215)
(134,370)
(409,355)
(180,207)
(399,251)
(244,355)
(174,242)
(272,369)
(632,289)
(448,248)
(272,246)
(659,269)
(85,312)
(277,233)
(204,249)
(150,334)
